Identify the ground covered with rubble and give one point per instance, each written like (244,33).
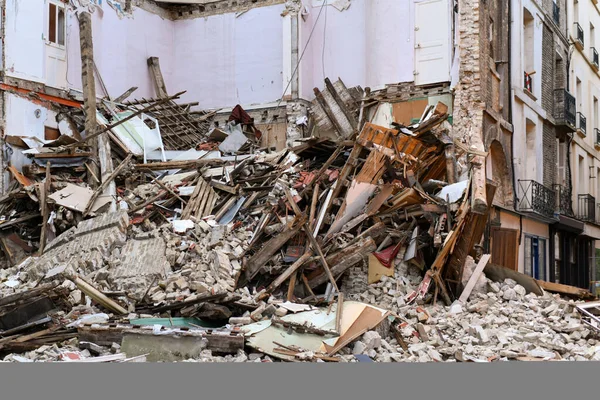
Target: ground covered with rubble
(354,245)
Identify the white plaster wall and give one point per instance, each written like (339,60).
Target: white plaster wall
(22,121)
(224,60)
(121,50)
(369,44)
(24,43)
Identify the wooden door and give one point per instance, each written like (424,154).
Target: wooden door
(505,247)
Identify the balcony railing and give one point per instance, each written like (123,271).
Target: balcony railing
(565,109)
(528,82)
(579,35)
(586,208)
(594,56)
(556,13)
(581,123)
(537,198)
(563,200)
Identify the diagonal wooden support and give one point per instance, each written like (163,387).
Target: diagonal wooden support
(311,238)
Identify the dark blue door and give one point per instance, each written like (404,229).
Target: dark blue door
(535,258)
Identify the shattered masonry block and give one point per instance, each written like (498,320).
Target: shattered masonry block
(85,245)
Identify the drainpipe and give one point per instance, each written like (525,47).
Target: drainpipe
(510,116)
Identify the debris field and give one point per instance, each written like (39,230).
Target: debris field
(159,236)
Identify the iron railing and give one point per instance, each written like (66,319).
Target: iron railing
(537,198)
(528,82)
(556,13)
(563,200)
(581,123)
(586,210)
(594,56)
(565,108)
(579,33)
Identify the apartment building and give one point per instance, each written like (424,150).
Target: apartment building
(584,80)
(554,82)
(534,140)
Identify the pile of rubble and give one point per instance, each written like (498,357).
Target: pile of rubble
(354,245)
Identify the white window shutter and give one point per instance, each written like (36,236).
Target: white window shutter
(432,42)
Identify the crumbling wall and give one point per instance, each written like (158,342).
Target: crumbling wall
(469,102)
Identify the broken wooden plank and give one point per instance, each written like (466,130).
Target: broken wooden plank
(45,192)
(344,259)
(261,257)
(106,182)
(96,295)
(313,242)
(565,289)
(283,276)
(464,296)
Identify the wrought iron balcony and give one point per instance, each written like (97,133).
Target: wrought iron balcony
(536,198)
(563,200)
(586,208)
(565,109)
(528,82)
(556,13)
(581,123)
(579,40)
(594,57)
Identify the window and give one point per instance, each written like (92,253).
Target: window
(535,257)
(56,24)
(592,36)
(595,111)
(579,93)
(528,50)
(576,11)
(581,175)
(530,157)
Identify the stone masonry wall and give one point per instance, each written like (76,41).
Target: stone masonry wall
(469,102)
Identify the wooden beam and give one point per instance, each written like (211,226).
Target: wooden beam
(105,184)
(45,189)
(313,242)
(125,95)
(341,104)
(464,296)
(89,85)
(159,81)
(96,295)
(292,269)
(323,103)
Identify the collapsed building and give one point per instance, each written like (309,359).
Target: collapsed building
(185,181)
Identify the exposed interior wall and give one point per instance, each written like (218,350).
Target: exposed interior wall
(369,44)
(227,59)
(23,120)
(121,48)
(23,42)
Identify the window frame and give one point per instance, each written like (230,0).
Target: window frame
(59,5)
(542,247)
